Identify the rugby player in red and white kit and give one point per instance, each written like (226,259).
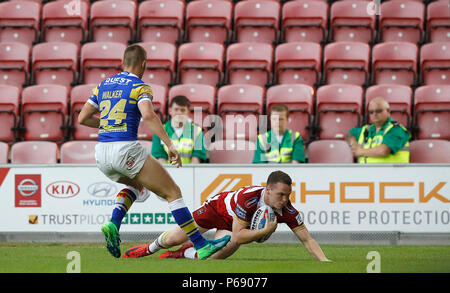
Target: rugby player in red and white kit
(230,212)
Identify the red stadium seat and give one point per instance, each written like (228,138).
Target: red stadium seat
(338,108)
(432,112)
(429,151)
(394,63)
(4,152)
(34,152)
(78,97)
(298,62)
(100,60)
(9,112)
(346,63)
(349,21)
(256,21)
(399,98)
(55,63)
(113,21)
(304,21)
(208,21)
(300,101)
(78,152)
(14,61)
(239,106)
(231,152)
(161,21)
(159,106)
(435,63)
(201,63)
(438,21)
(200,95)
(44,110)
(249,63)
(65,21)
(402,21)
(330,151)
(161,62)
(19,22)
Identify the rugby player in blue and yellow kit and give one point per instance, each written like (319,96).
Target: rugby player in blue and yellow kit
(122,100)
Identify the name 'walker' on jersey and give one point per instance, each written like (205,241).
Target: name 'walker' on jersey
(117,99)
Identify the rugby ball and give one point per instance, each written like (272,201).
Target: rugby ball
(259,220)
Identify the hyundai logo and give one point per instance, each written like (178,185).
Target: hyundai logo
(102,189)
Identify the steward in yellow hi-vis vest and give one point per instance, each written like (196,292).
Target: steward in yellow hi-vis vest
(189,144)
(270,150)
(392,134)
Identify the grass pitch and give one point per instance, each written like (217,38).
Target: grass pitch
(38,257)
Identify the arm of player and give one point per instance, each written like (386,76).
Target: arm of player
(242,235)
(310,244)
(155,125)
(86,116)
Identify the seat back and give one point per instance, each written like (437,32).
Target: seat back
(329,151)
(208,21)
(161,21)
(435,63)
(78,152)
(4,153)
(349,21)
(338,108)
(346,63)
(249,63)
(430,151)
(113,21)
(200,96)
(239,106)
(55,63)
(20,22)
(65,21)
(161,61)
(9,112)
(401,21)
(100,60)
(34,152)
(14,60)
(394,63)
(438,22)
(231,152)
(298,62)
(304,21)
(201,63)
(78,97)
(44,110)
(432,112)
(256,21)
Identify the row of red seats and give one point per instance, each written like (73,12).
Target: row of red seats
(219,21)
(49,112)
(239,63)
(320,151)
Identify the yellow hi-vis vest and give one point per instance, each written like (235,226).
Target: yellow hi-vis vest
(402,156)
(184,145)
(274,152)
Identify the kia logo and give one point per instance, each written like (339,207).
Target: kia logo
(102,189)
(27,187)
(62,189)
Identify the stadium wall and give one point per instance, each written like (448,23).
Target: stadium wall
(366,204)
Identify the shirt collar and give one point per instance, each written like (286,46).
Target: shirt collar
(129,74)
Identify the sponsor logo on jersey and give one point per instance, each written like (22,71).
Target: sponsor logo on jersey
(251,202)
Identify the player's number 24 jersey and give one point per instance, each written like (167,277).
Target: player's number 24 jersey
(117,99)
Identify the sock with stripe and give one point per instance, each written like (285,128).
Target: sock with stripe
(184,219)
(124,200)
(157,244)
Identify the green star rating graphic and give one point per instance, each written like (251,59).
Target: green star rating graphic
(148,218)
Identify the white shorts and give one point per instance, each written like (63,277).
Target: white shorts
(120,158)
